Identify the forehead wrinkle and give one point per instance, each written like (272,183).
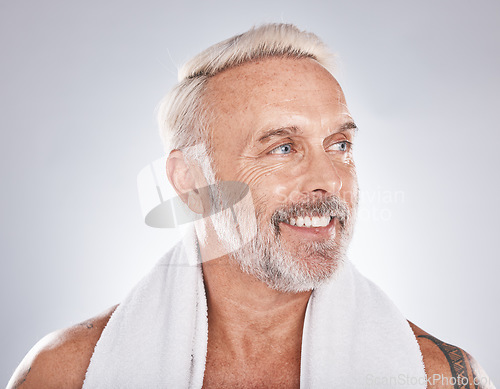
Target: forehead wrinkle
(279,102)
(339,100)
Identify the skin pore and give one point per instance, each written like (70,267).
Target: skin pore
(281,127)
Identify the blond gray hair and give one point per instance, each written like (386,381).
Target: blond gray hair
(184,117)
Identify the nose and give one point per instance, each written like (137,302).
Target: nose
(320,174)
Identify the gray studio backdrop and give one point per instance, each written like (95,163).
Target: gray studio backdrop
(79,85)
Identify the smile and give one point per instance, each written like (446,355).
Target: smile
(311,221)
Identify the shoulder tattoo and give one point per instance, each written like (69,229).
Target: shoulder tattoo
(462,367)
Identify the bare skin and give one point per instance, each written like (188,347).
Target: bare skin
(60,361)
(255,334)
(61,358)
(281,124)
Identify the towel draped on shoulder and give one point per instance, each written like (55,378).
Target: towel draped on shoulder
(353,337)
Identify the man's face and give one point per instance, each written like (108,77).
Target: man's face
(282,127)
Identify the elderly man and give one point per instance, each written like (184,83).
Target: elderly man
(260,294)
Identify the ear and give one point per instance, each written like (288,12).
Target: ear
(182,177)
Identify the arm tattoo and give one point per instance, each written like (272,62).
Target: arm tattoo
(481,379)
(457,361)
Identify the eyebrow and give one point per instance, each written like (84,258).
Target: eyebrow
(348,126)
(284,131)
(344,127)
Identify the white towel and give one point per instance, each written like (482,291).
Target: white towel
(354,336)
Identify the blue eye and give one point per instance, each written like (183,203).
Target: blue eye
(282,149)
(341,146)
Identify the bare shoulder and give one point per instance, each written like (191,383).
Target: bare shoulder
(447,365)
(61,359)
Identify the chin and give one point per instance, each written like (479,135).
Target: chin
(308,268)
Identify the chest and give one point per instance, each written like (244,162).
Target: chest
(270,369)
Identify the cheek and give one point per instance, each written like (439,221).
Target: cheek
(275,183)
(269,186)
(260,175)
(349,190)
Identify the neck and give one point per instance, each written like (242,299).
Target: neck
(245,316)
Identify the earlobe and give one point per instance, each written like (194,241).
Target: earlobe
(194,202)
(181,177)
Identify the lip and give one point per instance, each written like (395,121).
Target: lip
(311,232)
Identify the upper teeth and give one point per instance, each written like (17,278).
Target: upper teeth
(310,221)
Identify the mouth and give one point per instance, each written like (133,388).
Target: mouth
(310,221)
(318,219)
(310,226)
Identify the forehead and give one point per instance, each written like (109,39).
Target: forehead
(274,91)
(274,76)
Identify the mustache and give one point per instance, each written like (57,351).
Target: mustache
(329,205)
